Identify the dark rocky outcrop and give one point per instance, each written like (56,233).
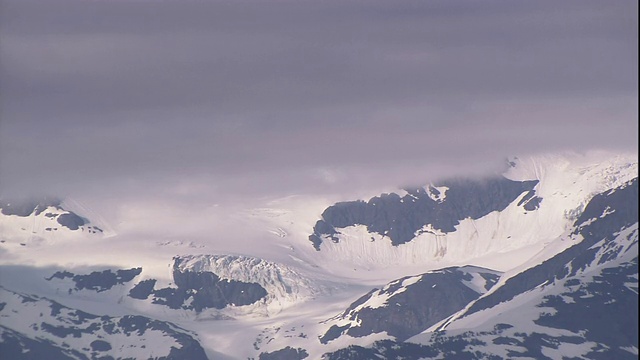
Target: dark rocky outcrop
(411,309)
(71,220)
(622,206)
(26,207)
(589,289)
(287,353)
(35,207)
(14,345)
(199,290)
(57,323)
(400,218)
(143,289)
(98,280)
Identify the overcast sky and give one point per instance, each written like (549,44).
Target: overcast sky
(279,97)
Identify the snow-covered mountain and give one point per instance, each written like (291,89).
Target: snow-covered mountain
(38,328)
(34,222)
(534,202)
(407,306)
(538,262)
(580,303)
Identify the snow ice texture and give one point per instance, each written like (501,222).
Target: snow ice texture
(538,263)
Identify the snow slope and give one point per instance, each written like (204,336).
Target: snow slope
(307,290)
(582,302)
(63,332)
(43,223)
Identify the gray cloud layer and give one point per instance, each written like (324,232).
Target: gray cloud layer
(106,94)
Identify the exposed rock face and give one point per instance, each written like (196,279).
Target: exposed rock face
(441,206)
(207,290)
(584,299)
(71,220)
(221,281)
(52,209)
(410,305)
(572,291)
(287,353)
(38,328)
(27,207)
(98,280)
(530,201)
(143,289)
(199,290)
(605,215)
(15,345)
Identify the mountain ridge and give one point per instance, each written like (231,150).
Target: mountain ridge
(360,296)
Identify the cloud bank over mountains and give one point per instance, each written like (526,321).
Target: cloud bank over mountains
(286,97)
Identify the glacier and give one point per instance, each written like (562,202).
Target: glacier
(477,268)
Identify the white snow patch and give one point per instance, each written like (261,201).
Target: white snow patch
(436,193)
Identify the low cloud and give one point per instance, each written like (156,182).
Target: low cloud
(226,100)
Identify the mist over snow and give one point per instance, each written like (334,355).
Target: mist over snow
(184,111)
(267,179)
